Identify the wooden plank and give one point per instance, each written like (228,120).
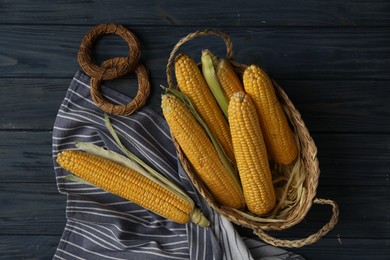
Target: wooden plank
(43,247)
(288,53)
(341,106)
(33,208)
(33,103)
(331,57)
(346,249)
(26,157)
(363,204)
(345,159)
(38,209)
(347,235)
(353,159)
(28,247)
(325,106)
(359,202)
(170,12)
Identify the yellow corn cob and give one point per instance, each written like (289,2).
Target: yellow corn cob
(127,183)
(200,152)
(251,154)
(277,134)
(228,78)
(194,86)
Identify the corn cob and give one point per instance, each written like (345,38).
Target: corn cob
(129,184)
(211,78)
(200,152)
(228,78)
(251,155)
(194,86)
(277,134)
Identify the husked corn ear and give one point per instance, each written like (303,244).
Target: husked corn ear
(228,78)
(277,133)
(251,155)
(200,152)
(126,183)
(192,83)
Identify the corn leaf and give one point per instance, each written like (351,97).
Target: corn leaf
(212,81)
(218,147)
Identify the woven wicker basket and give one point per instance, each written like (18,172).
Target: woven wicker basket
(309,166)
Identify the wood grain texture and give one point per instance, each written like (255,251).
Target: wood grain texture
(36,199)
(331,57)
(287,53)
(346,249)
(175,13)
(38,209)
(31,208)
(352,214)
(30,103)
(14,247)
(345,159)
(43,247)
(325,105)
(353,159)
(26,157)
(33,103)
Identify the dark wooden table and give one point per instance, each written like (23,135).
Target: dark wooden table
(331,57)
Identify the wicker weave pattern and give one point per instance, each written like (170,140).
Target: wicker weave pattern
(308,157)
(114,68)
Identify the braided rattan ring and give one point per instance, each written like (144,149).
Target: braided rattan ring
(136,103)
(117,67)
(114,68)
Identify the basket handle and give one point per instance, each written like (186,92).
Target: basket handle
(191,36)
(310,239)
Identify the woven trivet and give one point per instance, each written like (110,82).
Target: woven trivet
(114,68)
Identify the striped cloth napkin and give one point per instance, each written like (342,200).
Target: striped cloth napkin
(101,225)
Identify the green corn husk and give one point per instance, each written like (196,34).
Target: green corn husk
(197,216)
(218,147)
(211,78)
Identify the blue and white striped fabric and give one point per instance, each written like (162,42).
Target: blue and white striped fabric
(101,225)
